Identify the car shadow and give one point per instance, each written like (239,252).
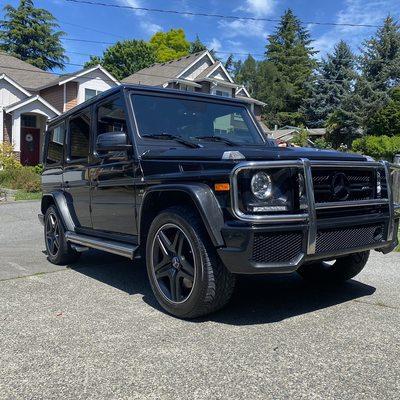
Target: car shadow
(256,300)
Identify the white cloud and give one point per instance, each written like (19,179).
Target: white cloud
(231,29)
(133,3)
(358,12)
(259,8)
(150,28)
(215,45)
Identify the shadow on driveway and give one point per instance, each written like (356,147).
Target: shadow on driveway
(257,299)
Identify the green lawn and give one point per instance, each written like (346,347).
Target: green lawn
(22,195)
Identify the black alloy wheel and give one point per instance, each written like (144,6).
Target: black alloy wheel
(173,263)
(59,251)
(52,234)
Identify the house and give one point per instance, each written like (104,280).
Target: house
(198,72)
(30,96)
(286,133)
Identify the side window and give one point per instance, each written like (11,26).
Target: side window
(55,146)
(111,117)
(79,136)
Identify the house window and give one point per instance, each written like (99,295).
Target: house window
(28,121)
(90,93)
(222,93)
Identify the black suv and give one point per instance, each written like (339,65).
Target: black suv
(191,180)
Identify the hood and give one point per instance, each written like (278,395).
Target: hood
(251,153)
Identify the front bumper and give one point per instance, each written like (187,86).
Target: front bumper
(282,243)
(281,249)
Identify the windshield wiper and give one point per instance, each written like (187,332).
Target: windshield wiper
(217,139)
(168,136)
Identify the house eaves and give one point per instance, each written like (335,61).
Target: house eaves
(29,100)
(185,82)
(86,71)
(218,82)
(201,55)
(15,84)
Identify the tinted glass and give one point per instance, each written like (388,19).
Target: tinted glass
(111,117)
(190,118)
(79,134)
(55,145)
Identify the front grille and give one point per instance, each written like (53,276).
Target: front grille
(276,247)
(332,240)
(343,185)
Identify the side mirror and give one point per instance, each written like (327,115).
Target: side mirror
(112,141)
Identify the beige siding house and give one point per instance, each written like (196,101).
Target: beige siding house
(30,96)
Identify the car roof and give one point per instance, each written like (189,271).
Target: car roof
(144,89)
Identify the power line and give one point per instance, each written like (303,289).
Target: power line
(222,16)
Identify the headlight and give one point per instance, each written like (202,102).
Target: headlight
(261,185)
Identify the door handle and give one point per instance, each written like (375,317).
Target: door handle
(66,185)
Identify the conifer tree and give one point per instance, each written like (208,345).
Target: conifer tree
(32,34)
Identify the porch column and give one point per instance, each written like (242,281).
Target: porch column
(16,131)
(1,124)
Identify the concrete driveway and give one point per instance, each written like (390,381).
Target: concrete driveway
(94,331)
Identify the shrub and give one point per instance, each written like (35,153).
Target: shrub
(378,147)
(322,143)
(7,158)
(24,178)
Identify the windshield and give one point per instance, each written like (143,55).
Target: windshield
(194,120)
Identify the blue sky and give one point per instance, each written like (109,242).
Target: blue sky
(221,34)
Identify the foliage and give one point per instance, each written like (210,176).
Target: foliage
(322,143)
(24,178)
(7,158)
(301,138)
(378,147)
(197,46)
(32,34)
(39,169)
(229,63)
(247,74)
(329,85)
(387,120)
(23,195)
(125,58)
(289,50)
(170,45)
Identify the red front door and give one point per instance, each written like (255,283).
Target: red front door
(30,146)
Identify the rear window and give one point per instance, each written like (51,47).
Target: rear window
(55,146)
(79,136)
(190,119)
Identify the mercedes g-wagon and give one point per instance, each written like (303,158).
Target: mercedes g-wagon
(191,181)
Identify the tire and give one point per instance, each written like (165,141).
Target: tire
(59,251)
(341,270)
(185,273)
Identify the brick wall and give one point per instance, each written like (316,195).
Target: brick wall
(7,127)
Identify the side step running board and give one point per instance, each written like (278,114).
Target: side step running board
(110,246)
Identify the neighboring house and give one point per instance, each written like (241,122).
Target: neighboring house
(30,96)
(197,72)
(286,133)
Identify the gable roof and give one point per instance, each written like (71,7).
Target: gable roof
(24,74)
(160,73)
(15,84)
(29,100)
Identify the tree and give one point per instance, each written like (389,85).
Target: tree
(289,50)
(197,46)
(170,45)
(332,81)
(247,73)
(380,68)
(32,34)
(125,58)
(229,63)
(386,121)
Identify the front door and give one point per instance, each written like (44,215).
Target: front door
(112,176)
(30,146)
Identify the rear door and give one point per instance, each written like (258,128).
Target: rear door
(112,174)
(76,169)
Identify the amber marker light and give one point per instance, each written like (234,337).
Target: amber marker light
(222,187)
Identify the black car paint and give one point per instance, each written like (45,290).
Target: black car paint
(107,198)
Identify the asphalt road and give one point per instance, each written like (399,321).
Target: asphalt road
(94,331)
